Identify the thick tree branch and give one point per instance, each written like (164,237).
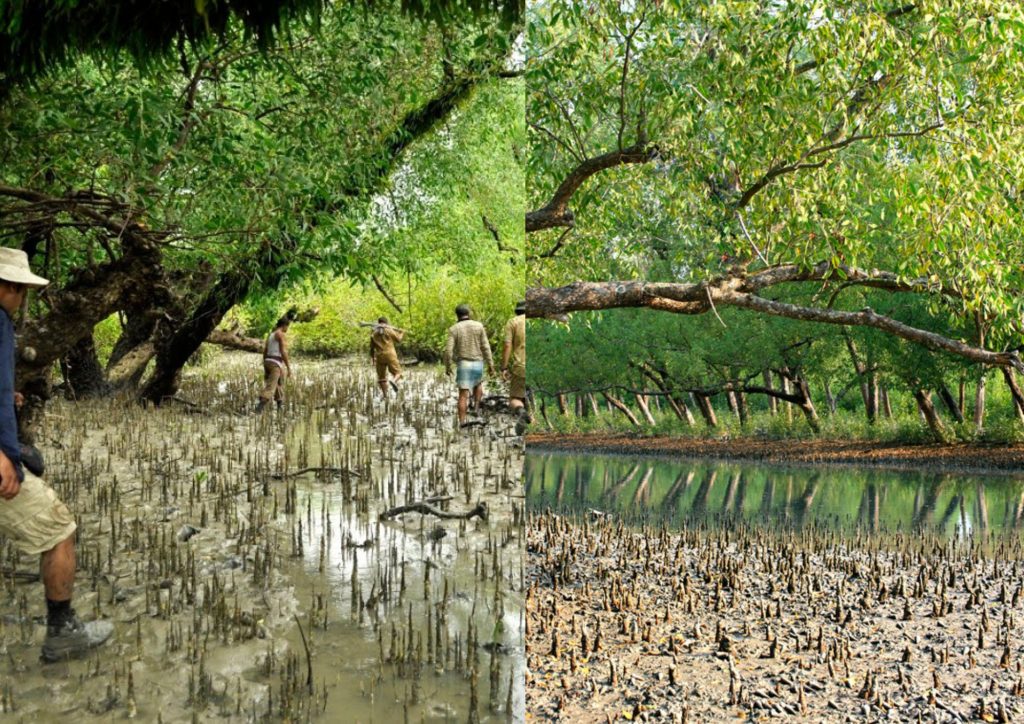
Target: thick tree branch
(556,212)
(743,292)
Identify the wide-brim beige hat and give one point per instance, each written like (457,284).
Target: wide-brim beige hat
(14,268)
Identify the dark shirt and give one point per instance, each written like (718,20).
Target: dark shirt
(8,421)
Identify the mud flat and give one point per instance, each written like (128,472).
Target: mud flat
(963,457)
(738,622)
(250,571)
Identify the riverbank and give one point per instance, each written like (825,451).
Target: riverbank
(973,458)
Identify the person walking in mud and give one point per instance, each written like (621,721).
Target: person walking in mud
(31,516)
(275,365)
(469,349)
(383,355)
(513,366)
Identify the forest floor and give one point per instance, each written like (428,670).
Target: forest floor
(248,568)
(958,457)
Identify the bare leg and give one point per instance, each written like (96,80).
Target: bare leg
(383,384)
(478,396)
(58,570)
(463,404)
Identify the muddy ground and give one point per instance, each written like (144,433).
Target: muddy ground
(738,623)
(224,544)
(964,457)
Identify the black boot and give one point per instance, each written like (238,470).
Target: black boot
(67,637)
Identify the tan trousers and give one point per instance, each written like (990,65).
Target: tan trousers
(273,381)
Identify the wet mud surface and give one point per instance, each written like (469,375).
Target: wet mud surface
(245,563)
(965,457)
(745,623)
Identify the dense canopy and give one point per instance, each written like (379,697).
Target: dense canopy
(851,163)
(38,34)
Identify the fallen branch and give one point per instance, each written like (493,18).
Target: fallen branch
(190,406)
(234,340)
(322,470)
(425,508)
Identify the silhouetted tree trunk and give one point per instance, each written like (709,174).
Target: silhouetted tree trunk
(174,348)
(83,375)
(950,402)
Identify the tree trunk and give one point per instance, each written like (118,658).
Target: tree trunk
(931,417)
(741,405)
(773,404)
(789,405)
(138,328)
(618,405)
(1015,392)
(131,367)
(83,375)
(641,401)
(886,404)
(175,349)
(730,396)
(563,406)
(871,399)
(593,403)
(807,406)
(830,399)
(950,402)
(707,411)
(136,279)
(979,404)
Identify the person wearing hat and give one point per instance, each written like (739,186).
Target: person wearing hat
(383,354)
(31,515)
(513,364)
(468,348)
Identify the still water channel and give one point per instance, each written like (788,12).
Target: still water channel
(681,492)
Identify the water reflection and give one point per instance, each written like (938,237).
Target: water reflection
(683,491)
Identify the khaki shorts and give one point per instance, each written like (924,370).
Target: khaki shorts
(386,364)
(517,382)
(35,520)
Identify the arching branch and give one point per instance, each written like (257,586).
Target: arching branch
(744,292)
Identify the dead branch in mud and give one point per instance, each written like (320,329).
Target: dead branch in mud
(323,470)
(480,510)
